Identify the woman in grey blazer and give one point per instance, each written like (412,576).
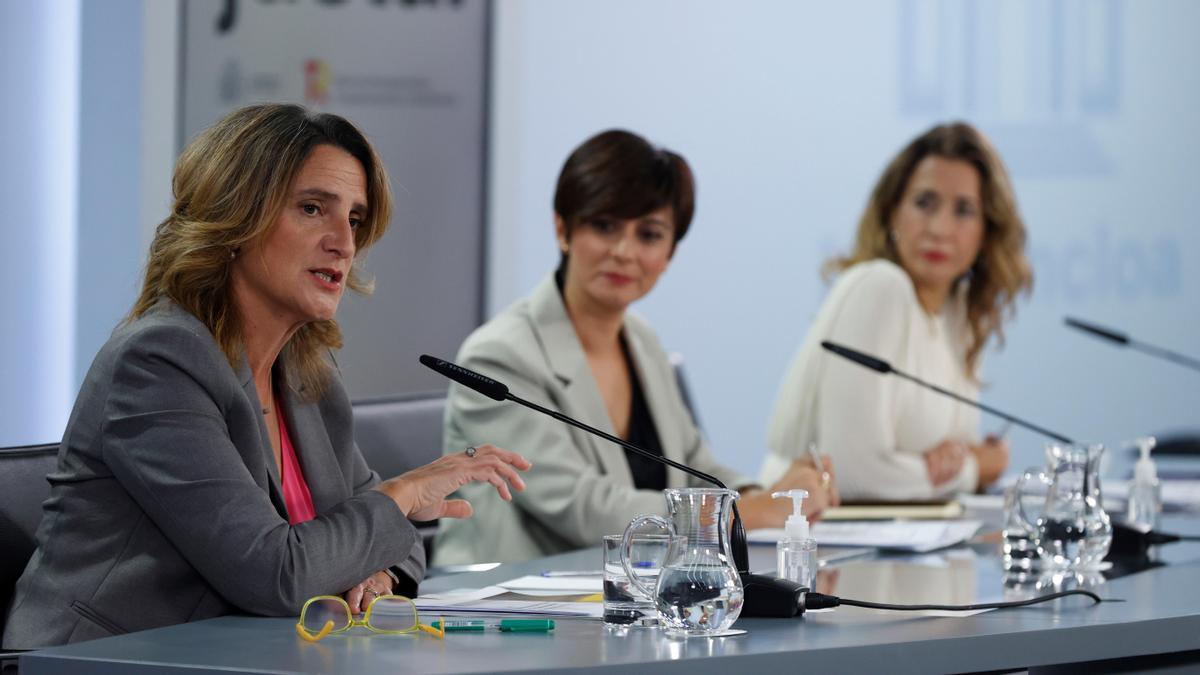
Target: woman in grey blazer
(209,464)
(621,206)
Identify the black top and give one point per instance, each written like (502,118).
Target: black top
(647,474)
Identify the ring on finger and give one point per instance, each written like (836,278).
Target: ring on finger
(470,451)
(372,591)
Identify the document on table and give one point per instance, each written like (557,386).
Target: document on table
(1179,494)
(902,535)
(555,585)
(480,601)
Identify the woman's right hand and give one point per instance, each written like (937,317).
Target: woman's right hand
(421,493)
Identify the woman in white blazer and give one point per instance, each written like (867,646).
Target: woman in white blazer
(936,268)
(621,206)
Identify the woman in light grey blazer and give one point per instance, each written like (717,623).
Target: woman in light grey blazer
(621,206)
(209,464)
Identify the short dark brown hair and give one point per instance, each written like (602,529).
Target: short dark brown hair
(618,174)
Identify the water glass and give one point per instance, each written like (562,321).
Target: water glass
(1023,504)
(624,603)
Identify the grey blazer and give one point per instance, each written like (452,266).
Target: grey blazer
(166,505)
(580,487)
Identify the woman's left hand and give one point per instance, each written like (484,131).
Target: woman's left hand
(361,595)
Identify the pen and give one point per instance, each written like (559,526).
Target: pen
(505,625)
(826,479)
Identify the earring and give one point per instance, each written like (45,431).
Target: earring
(233,254)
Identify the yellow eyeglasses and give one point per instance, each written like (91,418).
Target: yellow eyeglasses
(389,614)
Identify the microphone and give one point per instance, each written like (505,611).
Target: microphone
(763,595)
(881,366)
(467,378)
(1124,340)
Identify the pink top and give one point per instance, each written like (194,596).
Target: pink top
(295,491)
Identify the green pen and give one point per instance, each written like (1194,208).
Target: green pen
(505,625)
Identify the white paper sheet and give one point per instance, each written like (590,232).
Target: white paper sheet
(905,535)
(478,601)
(582,585)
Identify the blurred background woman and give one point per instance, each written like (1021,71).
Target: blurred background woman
(937,264)
(621,207)
(209,463)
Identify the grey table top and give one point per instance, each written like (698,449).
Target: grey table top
(1160,614)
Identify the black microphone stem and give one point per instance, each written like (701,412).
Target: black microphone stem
(624,444)
(1122,339)
(1167,354)
(741,553)
(986,408)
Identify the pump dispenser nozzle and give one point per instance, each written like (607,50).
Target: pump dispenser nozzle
(1145,493)
(796,526)
(1145,468)
(796,553)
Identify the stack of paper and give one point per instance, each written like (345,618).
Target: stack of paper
(902,535)
(556,585)
(1176,494)
(894,510)
(480,601)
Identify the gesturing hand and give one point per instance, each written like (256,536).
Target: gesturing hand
(421,493)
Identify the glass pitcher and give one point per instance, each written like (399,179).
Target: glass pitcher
(1073,531)
(698,591)
(1023,503)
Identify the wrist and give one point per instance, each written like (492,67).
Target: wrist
(395,579)
(398,490)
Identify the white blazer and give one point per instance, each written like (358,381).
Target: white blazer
(876,427)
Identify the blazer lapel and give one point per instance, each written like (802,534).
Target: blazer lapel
(306,429)
(581,395)
(273,483)
(660,399)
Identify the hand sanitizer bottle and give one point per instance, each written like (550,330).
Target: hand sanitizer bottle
(796,553)
(1145,493)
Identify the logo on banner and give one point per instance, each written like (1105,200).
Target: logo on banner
(316,81)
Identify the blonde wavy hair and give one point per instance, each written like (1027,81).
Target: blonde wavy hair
(1000,273)
(230,186)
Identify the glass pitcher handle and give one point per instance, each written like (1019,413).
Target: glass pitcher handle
(627,547)
(1019,491)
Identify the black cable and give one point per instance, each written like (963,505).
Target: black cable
(822,601)
(1155,538)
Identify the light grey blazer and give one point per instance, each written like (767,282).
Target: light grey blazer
(580,487)
(166,505)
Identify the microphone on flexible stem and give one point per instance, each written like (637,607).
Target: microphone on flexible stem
(881,366)
(1184,444)
(1124,340)
(1126,540)
(764,595)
